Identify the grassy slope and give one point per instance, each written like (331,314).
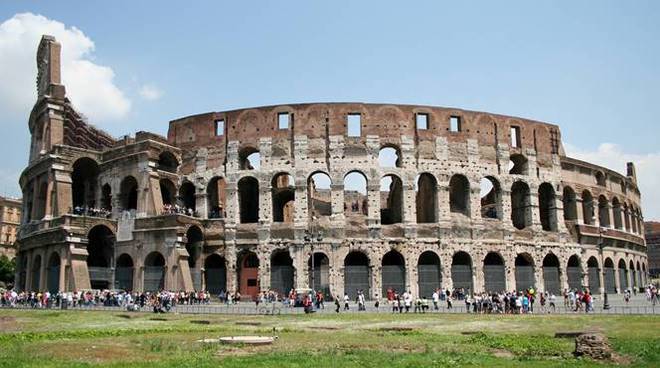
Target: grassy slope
(52,338)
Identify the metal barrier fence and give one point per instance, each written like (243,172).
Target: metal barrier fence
(280,309)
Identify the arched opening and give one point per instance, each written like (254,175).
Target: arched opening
(609,277)
(216,197)
(389,156)
(167,192)
(248,274)
(281,272)
(391,194)
(355,196)
(551,281)
(215,274)
(547,207)
(187,196)
(461,272)
(626,216)
(248,200)
(319,277)
(194,245)
(36,274)
(429,274)
(600,179)
(53,273)
(616,211)
(154,272)
(624,277)
(525,272)
(357,275)
(124,273)
(518,165)
(491,198)
(128,193)
(83,183)
(633,219)
(494,273)
(603,211)
(42,198)
(638,276)
(319,195)
(100,253)
(106,197)
(570,204)
(249,158)
(644,275)
(393,272)
(521,210)
(593,273)
(426,198)
(588,207)
(574,273)
(283,193)
(633,282)
(167,162)
(459,195)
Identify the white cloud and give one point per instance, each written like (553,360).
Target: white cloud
(89,86)
(150,92)
(613,156)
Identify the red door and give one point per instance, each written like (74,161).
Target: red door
(249,277)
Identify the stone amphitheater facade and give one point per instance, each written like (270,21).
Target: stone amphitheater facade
(335,196)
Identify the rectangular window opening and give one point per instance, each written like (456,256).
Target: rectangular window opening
(515,136)
(422,121)
(283,119)
(454,124)
(354,125)
(219,127)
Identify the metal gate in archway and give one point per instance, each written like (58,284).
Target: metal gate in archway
(623,279)
(525,277)
(461,277)
(356,278)
(594,279)
(53,279)
(394,276)
(551,280)
(216,280)
(281,279)
(610,283)
(154,278)
(494,278)
(430,279)
(124,278)
(574,276)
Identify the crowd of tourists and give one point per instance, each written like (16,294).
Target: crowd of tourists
(91,211)
(175,209)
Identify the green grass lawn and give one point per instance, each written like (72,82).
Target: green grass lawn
(77,339)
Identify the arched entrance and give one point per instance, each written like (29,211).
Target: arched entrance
(100,253)
(609,277)
(194,244)
(624,280)
(574,273)
(426,199)
(83,183)
(187,197)
(124,273)
(53,274)
(36,274)
(128,193)
(283,194)
(551,281)
(154,272)
(248,274)
(215,274)
(633,275)
(393,273)
(357,274)
(593,274)
(319,277)
(429,274)
(494,273)
(461,272)
(248,200)
(525,272)
(281,272)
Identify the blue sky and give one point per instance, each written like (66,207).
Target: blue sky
(593,68)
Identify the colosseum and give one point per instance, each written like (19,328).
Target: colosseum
(337,197)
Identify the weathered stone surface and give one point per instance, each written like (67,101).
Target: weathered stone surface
(594,345)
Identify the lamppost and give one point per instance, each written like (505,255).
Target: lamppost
(601,245)
(312,235)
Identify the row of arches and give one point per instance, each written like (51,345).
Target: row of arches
(615,214)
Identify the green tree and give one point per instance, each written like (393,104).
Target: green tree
(7,269)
